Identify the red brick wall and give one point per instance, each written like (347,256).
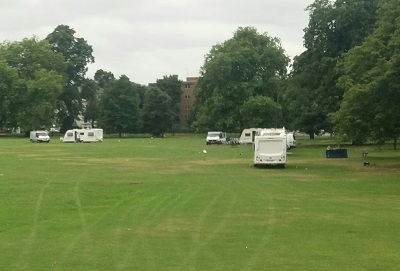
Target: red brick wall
(187,99)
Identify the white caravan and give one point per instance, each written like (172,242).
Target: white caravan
(70,136)
(290,140)
(270,148)
(98,133)
(83,135)
(39,136)
(247,135)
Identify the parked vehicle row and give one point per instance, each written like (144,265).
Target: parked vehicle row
(248,135)
(73,135)
(270,144)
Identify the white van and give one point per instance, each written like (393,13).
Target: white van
(216,138)
(39,136)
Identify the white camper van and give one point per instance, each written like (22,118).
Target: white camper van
(83,135)
(39,136)
(270,148)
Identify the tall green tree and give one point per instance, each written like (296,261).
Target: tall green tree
(171,85)
(303,99)
(158,115)
(334,28)
(256,108)
(247,65)
(102,77)
(32,77)
(77,54)
(39,108)
(10,91)
(90,94)
(119,107)
(370,80)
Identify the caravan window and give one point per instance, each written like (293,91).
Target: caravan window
(247,134)
(90,134)
(82,133)
(70,134)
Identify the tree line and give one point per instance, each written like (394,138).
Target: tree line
(345,82)
(43,84)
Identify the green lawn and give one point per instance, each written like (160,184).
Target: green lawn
(163,204)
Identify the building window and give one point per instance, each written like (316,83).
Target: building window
(187,107)
(187,85)
(187,96)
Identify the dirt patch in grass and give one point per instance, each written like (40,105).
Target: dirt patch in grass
(219,162)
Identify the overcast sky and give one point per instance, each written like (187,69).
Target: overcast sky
(147,39)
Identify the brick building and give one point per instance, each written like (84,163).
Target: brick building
(187,100)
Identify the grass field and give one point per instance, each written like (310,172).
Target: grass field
(163,204)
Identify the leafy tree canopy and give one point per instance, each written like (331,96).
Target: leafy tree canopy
(249,64)
(32,78)
(76,51)
(371,83)
(77,54)
(102,77)
(334,28)
(119,107)
(171,85)
(158,116)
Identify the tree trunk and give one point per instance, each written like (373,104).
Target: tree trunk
(395,143)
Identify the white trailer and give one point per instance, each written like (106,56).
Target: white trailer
(83,135)
(39,136)
(291,140)
(247,135)
(98,133)
(270,148)
(70,136)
